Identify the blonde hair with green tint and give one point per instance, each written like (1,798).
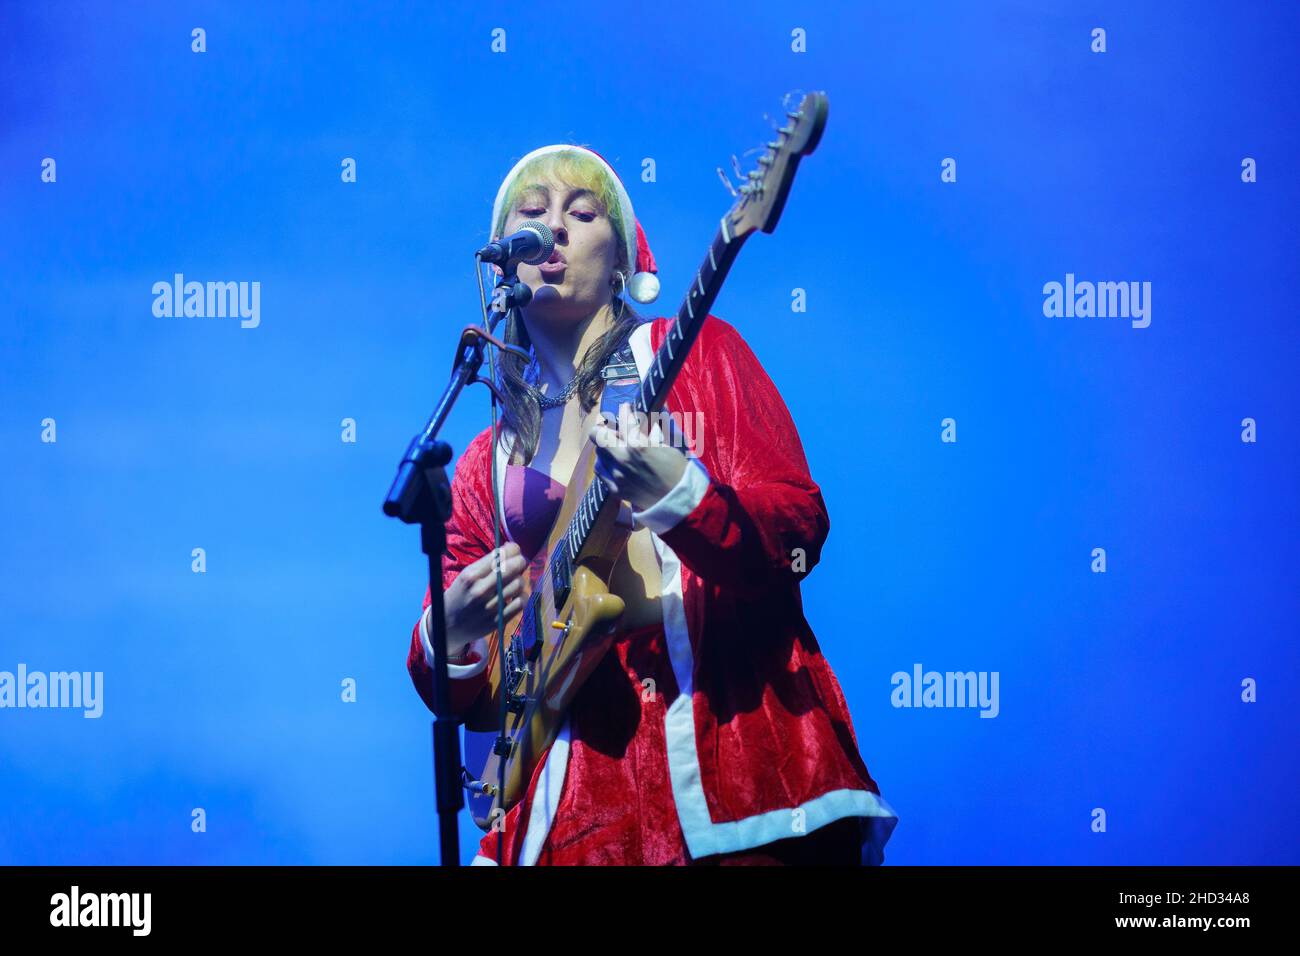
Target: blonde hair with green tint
(578,170)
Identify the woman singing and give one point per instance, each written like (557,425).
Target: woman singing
(713,731)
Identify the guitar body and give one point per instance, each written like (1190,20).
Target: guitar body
(557,660)
(569,613)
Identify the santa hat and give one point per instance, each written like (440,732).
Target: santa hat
(644,284)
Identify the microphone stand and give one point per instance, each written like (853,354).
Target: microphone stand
(421,494)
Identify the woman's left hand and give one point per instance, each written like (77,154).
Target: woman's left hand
(634,465)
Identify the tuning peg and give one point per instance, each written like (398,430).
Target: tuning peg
(726,182)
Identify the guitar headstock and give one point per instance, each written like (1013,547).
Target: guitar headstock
(762,197)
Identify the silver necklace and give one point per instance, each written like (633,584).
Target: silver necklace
(561,398)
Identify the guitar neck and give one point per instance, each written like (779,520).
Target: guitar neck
(681,334)
(668,360)
(658,381)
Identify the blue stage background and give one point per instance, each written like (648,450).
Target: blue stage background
(222,690)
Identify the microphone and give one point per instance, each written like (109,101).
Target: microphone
(533,243)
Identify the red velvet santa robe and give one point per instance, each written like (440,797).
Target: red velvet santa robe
(743,738)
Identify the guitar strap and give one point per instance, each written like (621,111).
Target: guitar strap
(623,384)
(622,381)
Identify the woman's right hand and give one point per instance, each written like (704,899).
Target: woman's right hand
(470,604)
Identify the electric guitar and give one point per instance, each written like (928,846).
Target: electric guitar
(568,620)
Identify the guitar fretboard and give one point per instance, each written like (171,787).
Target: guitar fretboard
(668,361)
